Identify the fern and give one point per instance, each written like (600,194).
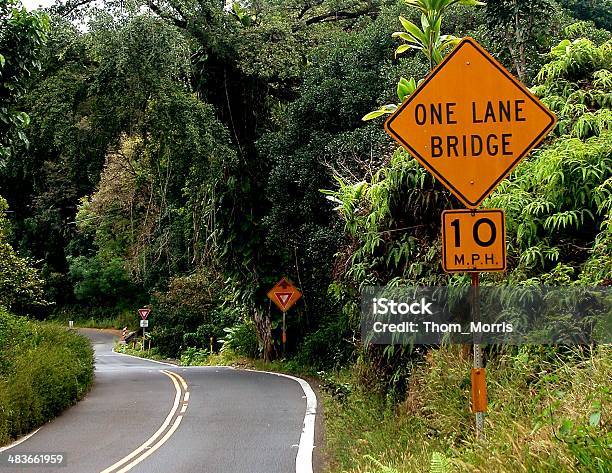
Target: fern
(439,463)
(380,467)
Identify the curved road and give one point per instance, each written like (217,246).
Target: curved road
(146,417)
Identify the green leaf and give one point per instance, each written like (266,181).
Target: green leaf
(23,118)
(405,87)
(403,48)
(438,24)
(437,56)
(417,4)
(384,110)
(595,419)
(373,115)
(404,36)
(403,91)
(2,60)
(424,22)
(471,3)
(413,30)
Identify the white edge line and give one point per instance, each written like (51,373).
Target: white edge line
(176,365)
(19,441)
(303,460)
(154,437)
(145,359)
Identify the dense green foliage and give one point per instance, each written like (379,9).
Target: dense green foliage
(43,369)
(22,35)
(20,284)
(177,158)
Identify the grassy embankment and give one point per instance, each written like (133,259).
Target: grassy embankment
(548,412)
(44,368)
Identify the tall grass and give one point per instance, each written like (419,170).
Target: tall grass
(548,412)
(44,368)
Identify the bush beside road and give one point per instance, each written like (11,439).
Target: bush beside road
(547,413)
(44,369)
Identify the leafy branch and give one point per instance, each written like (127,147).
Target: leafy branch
(427,38)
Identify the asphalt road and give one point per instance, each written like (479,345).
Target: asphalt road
(145,417)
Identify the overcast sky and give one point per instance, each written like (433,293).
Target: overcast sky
(33,4)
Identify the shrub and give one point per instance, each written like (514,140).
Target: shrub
(242,339)
(20,283)
(100,282)
(327,347)
(44,369)
(189,313)
(194,356)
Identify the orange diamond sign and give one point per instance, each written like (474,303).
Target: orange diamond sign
(284,295)
(470,122)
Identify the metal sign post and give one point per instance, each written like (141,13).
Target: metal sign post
(144,323)
(479,392)
(284,333)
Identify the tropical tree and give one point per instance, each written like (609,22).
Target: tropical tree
(22,35)
(20,284)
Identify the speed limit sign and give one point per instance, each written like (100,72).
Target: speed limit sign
(473,240)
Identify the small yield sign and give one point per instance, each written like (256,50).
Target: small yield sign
(284,295)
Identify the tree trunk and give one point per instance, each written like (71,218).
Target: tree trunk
(264,333)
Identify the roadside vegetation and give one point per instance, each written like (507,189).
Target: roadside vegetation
(546,414)
(44,369)
(185,157)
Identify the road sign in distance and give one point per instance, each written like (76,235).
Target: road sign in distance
(144,323)
(284,295)
(144,313)
(470,122)
(473,240)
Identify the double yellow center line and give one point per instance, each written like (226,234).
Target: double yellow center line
(164,432)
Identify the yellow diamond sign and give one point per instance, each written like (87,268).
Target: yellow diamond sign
(470,122)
